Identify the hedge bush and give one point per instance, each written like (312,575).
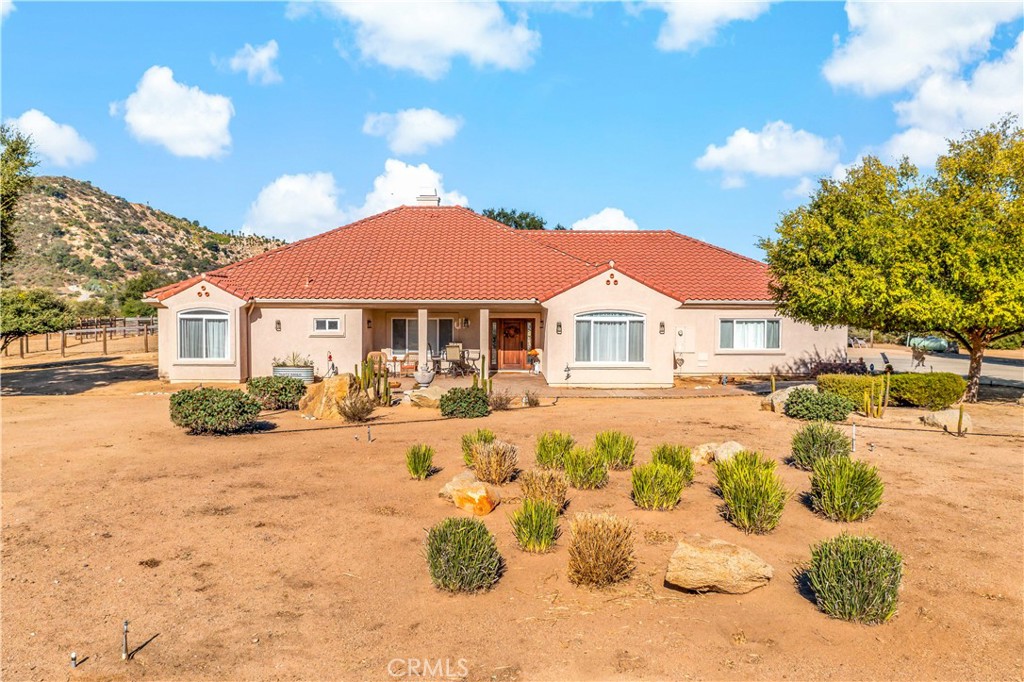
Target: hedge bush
(851,386)
(935,390)
(600,550)
(843,489)
(552,447)
(481,437)
(813,406)
(817,440)
(462,556)
(214,410)
(465,403)
(753,493)
(657,486)
(535,525)
(585,469)
(676,456)
(277,393)
(616,448)
(856,578)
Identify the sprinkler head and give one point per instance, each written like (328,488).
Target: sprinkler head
(74,660)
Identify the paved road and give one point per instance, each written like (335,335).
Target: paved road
(1003,371)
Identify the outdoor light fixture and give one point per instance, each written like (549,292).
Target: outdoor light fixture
(558,327)
(277,325)
(369,324)
(465,322)
(661,327)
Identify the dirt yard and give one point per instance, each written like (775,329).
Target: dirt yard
(297,552)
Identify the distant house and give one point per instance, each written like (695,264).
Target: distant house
(603,309)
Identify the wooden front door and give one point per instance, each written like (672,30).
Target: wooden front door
(512,344)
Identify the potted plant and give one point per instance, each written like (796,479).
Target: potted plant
(294,365)
(424,375)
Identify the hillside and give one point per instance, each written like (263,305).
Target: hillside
(73,236)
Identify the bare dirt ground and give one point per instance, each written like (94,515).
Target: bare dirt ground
(296,553)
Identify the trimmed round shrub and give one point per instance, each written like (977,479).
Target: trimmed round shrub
(616,448)
(817,440)
(812,406)
(753,493)
(214,410)
(600,550)
(465,403)
(552,447)
(550,486)
(481,437)
(277,393)
(934,391)
(462,556)
(585,469)
(676,456)
(535,525)
(657,486)
(856,578)
(495,462)
(419,460)
(843,489)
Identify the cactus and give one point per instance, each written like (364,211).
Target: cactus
(476,381)
(876,410)
(773,383)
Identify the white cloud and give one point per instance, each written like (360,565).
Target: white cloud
(775,151)
(606,219)
(297,206)
(691,25)
(6,7)
(257,63)
(894,44)
(426,37)
(800,190)
(58,143)
(185,120)
(412,131)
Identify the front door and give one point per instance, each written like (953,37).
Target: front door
(512,344)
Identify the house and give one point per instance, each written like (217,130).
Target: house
(604,309)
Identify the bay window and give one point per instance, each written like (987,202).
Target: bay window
(610,337)
(750,334)
(203,335)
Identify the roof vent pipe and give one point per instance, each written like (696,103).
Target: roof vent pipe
(428,197)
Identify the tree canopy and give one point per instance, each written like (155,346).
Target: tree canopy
(519,220)
(24,312)
(16,163)
(891,249)
(132,291)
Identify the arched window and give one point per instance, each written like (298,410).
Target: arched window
(610,337)
(203,335)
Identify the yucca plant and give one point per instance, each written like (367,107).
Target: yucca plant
(419,460)
(549,486)
(585,469)
(843,489)
(616,448)
(817,440)
(657,486)
(856,578)
(462,556)
(495,462)
(480,436)
(600,550)
(552,447)
(535,525)
(676,456)
(753,493)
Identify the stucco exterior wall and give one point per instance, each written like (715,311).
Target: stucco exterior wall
(203,295)
(297,334)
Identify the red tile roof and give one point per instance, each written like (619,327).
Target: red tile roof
(451,253)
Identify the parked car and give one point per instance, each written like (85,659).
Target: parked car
(934,344)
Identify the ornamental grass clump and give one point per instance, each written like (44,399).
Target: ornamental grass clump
(549,486)
(462,556)
(419,460)
(815,441)
(843,489)
(481,437)
(657,486)
(753,493)
(535,525)
(600,550)
(585,469)
(856,578)
(552,447)
(214,410)
(496,462)
(676,456)
(616,448)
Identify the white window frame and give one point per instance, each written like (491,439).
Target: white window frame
(327,330)
(611,316)
(764,349)
(204,314)
(432,340)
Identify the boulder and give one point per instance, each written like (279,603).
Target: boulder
(426,397)
(947,420)
(469,494)
(706,453)
(460,480)
(321,399)
(726,450)
(703,564)
(777,400)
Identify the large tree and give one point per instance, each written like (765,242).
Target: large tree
(24,312)
(132,291)
(891,249)
(16,163)
(520,220)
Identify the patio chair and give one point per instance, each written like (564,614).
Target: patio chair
(409,364)
(453,355)
(379,360)
(472,356)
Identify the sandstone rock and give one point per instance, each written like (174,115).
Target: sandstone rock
(426,397)
(460,480)
(321,399)
(706,453)
(477,498)
(777,400)
(947,420)
(702,564)
(726,450)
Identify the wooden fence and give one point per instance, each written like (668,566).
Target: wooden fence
(103,333)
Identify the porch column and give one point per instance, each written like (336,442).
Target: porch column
(485,338)
(421,336)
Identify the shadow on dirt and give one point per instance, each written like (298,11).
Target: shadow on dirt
(70,377)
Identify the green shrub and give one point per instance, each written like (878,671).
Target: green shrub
(356,407)
(851,386)
(856,578)
(419,460)
(535,525)
(844,489)
(462,556)
(817,440)
(495,462)
(677,457)
(465,403)
(480,436)
(552,447)
(585,469)
(277,393)
(214,410)
(934,391)
(813,406)
(600,550)
(549,486)
(616,448)
(657,486)
(753,493)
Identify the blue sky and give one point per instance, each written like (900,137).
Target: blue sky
(289,119)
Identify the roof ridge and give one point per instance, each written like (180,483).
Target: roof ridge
(525,234)
(717,248)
